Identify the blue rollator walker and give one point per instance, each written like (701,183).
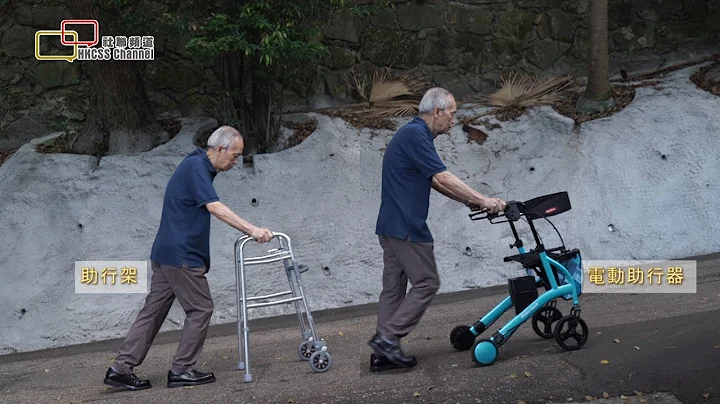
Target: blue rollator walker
(558,270)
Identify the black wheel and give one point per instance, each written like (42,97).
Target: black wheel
(542,321)
(306,349)
(567,334)
(462,338)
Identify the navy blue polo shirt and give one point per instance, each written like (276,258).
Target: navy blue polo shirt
(184,233)
(409,164)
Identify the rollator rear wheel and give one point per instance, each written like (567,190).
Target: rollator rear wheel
(571,332)
(485,352)
(462,338)
(320,361)
(306,349)
(542,321)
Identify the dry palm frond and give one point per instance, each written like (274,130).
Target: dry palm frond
(527,91)
(521,91)
(387,96)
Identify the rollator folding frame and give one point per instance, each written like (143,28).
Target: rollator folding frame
(311,348)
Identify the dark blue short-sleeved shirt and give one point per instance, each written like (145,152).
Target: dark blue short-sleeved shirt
(409,164)
(184,233)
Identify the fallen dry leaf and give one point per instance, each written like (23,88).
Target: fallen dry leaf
(598,333)
(604,361)
(528,374)
(431,387)
(569,399)
(717,346)
(643,400)
(521,402)
(225,357)
(416,394)
(706,395)
(639,393)
(628,401)
(340,333)
(290,401)
(513,375)
(589,398)
(623,396)
(606,395)
(637,347)
(616,340)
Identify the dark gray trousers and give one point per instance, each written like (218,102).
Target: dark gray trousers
(191,288)
(404,261)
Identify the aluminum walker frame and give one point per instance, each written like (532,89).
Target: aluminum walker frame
(311,348)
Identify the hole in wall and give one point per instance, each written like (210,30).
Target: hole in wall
(611,228)
(326,270)
(254,202)
(532,168)
(468,251)
(664,157)
(80,227)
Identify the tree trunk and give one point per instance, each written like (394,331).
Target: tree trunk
(598,94)
(120,119)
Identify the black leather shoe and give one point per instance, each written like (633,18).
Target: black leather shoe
(129,382)
(189,378)
(391,351)
(380,363)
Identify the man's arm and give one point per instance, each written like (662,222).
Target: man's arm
(444,191)
(451,186)
(222,212)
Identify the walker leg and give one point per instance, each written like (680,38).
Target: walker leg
(291,267)
(239,321)
(243,347)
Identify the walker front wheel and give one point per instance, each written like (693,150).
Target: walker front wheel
(306,349)
(568,335)
(542,321)
(485,352)
(462,338)
(320,361)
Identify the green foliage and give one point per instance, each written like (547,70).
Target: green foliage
(281,36)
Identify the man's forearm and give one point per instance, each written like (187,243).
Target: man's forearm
(457,188)
(222,212)
(444,191)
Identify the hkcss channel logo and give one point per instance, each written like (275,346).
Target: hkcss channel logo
(111,47)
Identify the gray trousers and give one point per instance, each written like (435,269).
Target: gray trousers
(404,261)
(191,288)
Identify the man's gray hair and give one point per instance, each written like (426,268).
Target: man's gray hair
(223,136)
(435,97)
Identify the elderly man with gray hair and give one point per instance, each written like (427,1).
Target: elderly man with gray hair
(411,167)
(180,259)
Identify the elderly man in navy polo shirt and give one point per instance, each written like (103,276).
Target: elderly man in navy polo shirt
(411,167)
(180,259)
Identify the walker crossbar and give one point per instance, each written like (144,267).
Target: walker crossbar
(311,348)
(558,270)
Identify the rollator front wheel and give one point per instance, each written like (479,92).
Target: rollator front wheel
(306,349)
(320,361)
(462,338)
(484,352)
(571,332)
(542,321)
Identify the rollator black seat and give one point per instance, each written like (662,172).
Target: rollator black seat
(531,260)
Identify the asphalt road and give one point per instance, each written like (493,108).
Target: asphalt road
(652,344)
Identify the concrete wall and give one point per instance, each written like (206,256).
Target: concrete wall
(650,171)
